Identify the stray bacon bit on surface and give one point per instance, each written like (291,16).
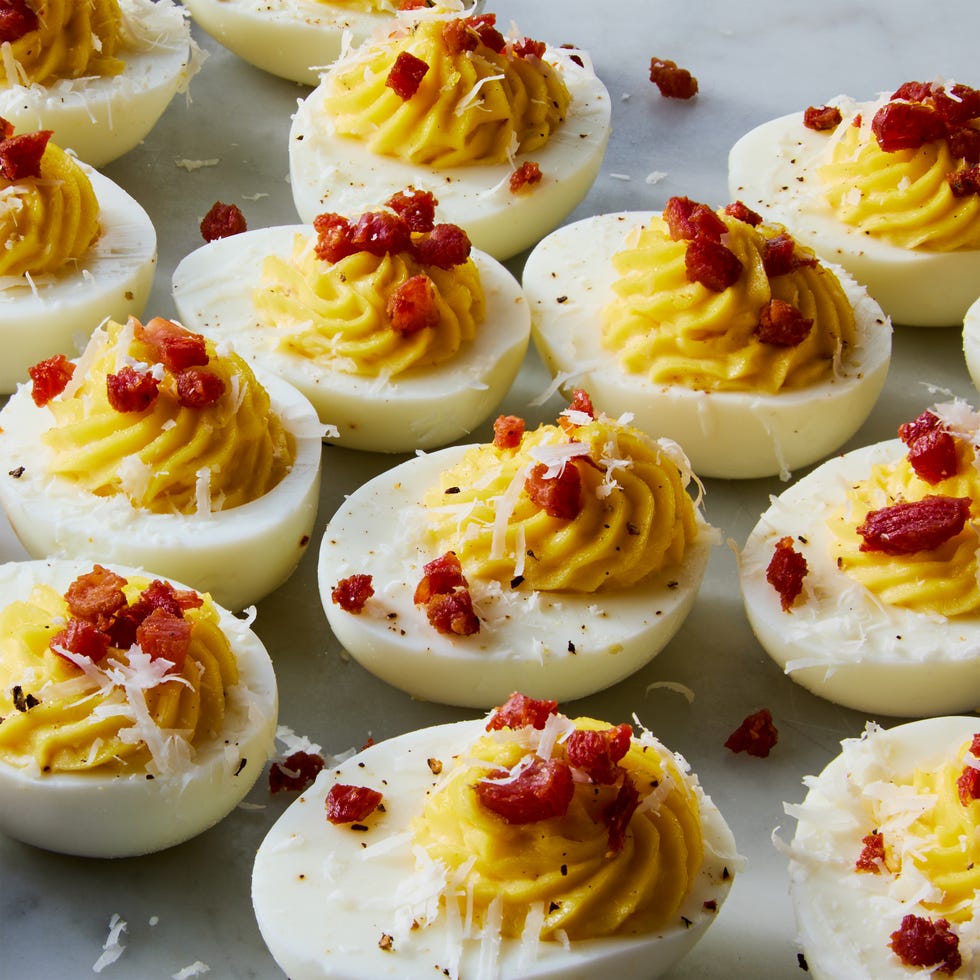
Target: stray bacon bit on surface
(295,773)
(923,942)
(508,430)
(540,790)
(872,856)
(222,221)
(459,36)
(786,570)
(20,156)
(441,575)
(596,753)
(350,804)
(49,378)
(526,175)
(968,782)
(406,75)
(756,735)
(412,306)
(911,526)
(559,496)
(198,389)
(582,402)
(673,82)
(353,592)
(444,593)
(741,212)
(822,118)
(129,390)
(520,711)
(782,324)
(17,18)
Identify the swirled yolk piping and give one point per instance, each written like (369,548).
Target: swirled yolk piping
(477,106)
(675,331)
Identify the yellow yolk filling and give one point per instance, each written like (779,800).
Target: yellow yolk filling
(901,197)
(636,516)
(676,332)
(336,313)
(167,458)
(73,39)
(78,726)
(942,580)
(475,107)
(47,222)
(563,863)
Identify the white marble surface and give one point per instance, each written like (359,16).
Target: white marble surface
(755,59)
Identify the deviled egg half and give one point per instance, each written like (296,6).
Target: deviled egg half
(860,580)
(971,341)
(76,248)
(400,334)
(885,862)
(159,450)
(713,329)
(524,845)
(135,713)
(889,189)
(560,559)
(508,133)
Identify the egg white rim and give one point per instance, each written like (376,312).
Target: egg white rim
(220,306)
(774,433)
(61,806)
(377,531)
(971,342)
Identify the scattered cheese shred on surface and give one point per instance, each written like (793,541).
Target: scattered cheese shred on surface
(194,970)
(112,949)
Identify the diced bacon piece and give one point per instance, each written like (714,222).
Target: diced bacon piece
(757,735)
(528,48)
(786,570)
(968,785)
(81,638)
(526,175)
(162,595)
(923,942)
(334,234)
(541,790)
(782,324)
(162,635)
(582,402)
(49,378)
(741,212)
(353,592)
(96,594)
(20,156)
(872,856)
(6,127)
(351,804)
(416,208)
(964,143)
(452,613)
(295,773)
(17,18)
(558,496)
(459,36)
(443,247)
(129,390)
(964,182)
(908,432)
(222,221)
(912,92)
(779,255)
(174,346)
(406,75)
(381,233)
(906,126)
(596,753)
(958,105)
(123,625)
(687,220)
(439,576)
(673,82)
(933,456)
(822,118)
(619,813)
(520,711)
(712,264)
(912,526)
(412,306)
(508,430)
(198,389)
(485,27)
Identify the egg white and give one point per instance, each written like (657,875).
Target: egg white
(568,279)
(332,173)
(772,169)
(56,314)
(420,409)
(98,815)
(101,118)
(561,645)
(323,895)
(238,555)
(971,341)
(844,918)
(838,640)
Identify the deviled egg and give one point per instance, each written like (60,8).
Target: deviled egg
(615,862)
(400,335)
(619,307)
(76,248)
(508,133)
(971,342)
(134,713)
(561,559)
(889,189)
(159,450)
(860,580)
(884,864)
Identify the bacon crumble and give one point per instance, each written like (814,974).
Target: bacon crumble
(925,942)
(508,430)
(527,175)
(786,571)
(222,221)
(444,593)
(911,526)
(822,118)
(295,773)
(353,592)
(49,378)
(559,496)
(411,306)
(872,856)
(756,735)
(406,75)
(351,804)
(17,18)
(129,390)
(782,324)
(672,81)
(20,156)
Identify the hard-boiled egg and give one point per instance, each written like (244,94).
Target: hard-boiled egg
(868,630)
(733,432)
(330,172)
(189,743)
(211,546)
(971,342)
(97,112)
(426,406)
(851,891)
(897,228)
(568,636)
(374,900)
